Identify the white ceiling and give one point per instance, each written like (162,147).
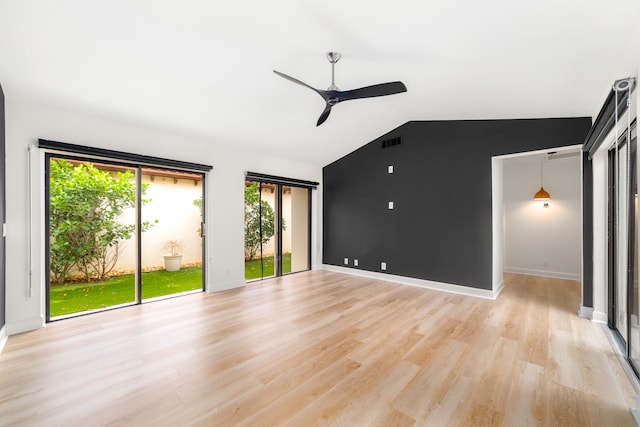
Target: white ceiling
(204,68)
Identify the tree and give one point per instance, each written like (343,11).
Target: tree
(85,204)
(256,209)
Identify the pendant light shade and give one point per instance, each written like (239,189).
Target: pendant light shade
(542,194)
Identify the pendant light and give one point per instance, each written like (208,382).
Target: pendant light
(542,194)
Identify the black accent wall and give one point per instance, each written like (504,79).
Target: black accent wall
(3,198)
(441,227)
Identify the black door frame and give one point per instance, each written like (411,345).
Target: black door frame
(279,183)
(138,274)
(623,341)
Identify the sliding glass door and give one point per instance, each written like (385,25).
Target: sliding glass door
(171,258)
(120,234)
(623,243)
(295,238)
(277,229)
(260,230)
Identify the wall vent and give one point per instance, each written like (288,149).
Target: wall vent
(391,142)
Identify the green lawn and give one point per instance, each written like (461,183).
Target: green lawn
(79,297)
(252,269)
(74,298)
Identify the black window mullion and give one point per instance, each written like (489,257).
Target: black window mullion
(203,233)
(139,235)
(309,230)
(631,233)
(130,158)
(260,222)
(272,179)
(47,234)
(277,261)
(612,242)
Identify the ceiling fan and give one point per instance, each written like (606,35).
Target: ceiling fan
(334,95)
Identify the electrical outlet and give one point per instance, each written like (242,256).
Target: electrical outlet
(390,169)
(383,266)
(390,205)
(355,262)
(346,261)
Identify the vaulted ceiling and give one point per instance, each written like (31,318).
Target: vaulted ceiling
(204,68)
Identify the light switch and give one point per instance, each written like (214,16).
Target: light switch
(390,205)
(390,169)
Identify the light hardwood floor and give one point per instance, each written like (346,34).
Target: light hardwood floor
(323,348)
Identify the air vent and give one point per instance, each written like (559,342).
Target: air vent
(387,143)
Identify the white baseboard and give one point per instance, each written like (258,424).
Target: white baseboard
(497,288)
(543,273)
(636,415)
(225,286)
(586,312)
(599,317)
(3,337)
(25,325)
(429,284)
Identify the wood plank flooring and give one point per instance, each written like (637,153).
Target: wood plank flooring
(323,348)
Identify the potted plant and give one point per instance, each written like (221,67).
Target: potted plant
(173,261)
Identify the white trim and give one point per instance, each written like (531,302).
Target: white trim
(3,337)
(543,273)
(497,223)
(497,214)
(586,312)
(224,286)
(25,325)
(599,317)
(429,284)
(635,412)
(497,288)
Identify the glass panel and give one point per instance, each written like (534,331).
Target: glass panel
(171,235)
(295,236)
(621,243)
(91,236)
(259,230)
(266,243)
(268,230)
(634,294)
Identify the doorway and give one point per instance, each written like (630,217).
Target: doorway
(515,180)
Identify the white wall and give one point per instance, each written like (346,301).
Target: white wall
(26,122)
(543,241)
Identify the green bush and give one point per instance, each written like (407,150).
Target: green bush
(85,205)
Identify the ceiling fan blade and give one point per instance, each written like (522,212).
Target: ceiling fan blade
(381,89)
(294,80)
(324,115)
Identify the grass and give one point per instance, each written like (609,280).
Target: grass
(78,297)
(253,268)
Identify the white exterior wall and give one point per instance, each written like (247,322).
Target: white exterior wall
(171,203)
(26,122)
